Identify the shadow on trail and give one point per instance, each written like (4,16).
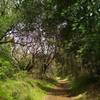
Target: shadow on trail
(61,89)
(45,88)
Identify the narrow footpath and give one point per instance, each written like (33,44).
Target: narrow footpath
(59,92)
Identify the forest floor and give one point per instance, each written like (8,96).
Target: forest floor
(60,92)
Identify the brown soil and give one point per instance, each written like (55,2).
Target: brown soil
(59,92)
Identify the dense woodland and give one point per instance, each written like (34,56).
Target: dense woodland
(47,39)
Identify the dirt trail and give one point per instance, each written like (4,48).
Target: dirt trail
(59,92)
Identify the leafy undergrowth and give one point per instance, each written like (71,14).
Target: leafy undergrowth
(85,88)
(24,88)
(82,83)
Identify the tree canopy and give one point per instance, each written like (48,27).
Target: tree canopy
(65,32)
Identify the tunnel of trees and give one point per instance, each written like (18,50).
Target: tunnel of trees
(49,38)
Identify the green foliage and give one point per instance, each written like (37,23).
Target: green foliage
(6,66)
(8,16)
(75,27)
(6,22)
(82,83)
(23,87)
(6,69)
(16,90)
